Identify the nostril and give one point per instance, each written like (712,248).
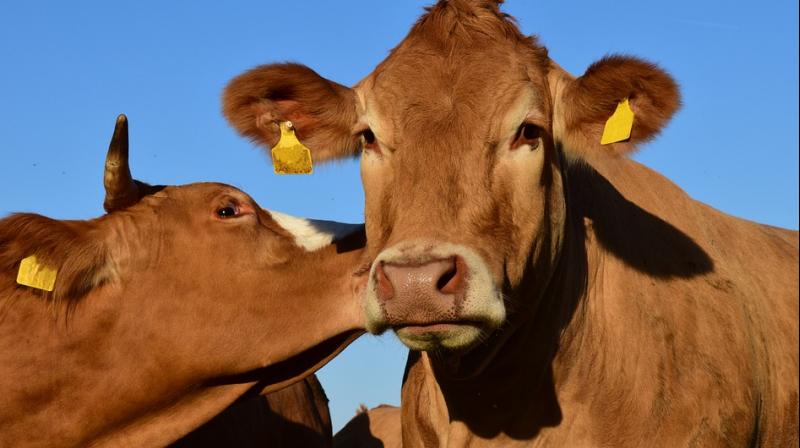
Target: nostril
(385,288)
(447,276)
(452,280)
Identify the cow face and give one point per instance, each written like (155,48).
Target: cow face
(464,131)
(219,276)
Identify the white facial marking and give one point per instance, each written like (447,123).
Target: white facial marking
(312,234)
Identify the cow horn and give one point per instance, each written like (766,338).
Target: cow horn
(121,190)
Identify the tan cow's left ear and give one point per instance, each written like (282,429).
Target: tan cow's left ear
(583,105)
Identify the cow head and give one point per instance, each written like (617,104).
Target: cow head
(202,280)
(464,130)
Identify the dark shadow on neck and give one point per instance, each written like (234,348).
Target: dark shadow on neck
(640,239)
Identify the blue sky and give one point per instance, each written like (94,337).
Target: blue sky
(68,68)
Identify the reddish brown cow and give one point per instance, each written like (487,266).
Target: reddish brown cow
(378,427)
(295,416)
(164,311)
(569,295)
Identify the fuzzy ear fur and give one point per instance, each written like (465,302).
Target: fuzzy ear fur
(584,104)
(493,5)
(323,112)
(80,258)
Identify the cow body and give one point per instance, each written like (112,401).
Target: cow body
(295,416)
(166,310)
(553,292)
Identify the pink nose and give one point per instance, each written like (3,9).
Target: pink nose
(422,292)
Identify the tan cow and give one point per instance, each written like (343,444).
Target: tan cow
(163,312)
(553,291)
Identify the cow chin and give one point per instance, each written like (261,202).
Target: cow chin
(435,296)
(450,337)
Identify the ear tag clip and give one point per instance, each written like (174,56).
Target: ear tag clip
(619,125)
(290,156)
(32,273)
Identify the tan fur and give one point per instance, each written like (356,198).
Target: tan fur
(636,316)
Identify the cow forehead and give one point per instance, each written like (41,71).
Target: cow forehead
(435,80)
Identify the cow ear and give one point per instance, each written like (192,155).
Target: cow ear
(583,105)
(70,248)
(323,112)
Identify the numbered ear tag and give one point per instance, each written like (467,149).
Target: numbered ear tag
(290,156)
(32,273)
(619,125)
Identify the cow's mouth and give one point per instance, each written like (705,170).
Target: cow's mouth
(435,336)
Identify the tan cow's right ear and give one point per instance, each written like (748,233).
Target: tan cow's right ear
(323,112)
(583,105)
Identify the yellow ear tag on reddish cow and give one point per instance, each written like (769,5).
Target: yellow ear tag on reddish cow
(619,125)
(36,275)
(290,156)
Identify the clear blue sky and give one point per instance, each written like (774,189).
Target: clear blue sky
(68,68)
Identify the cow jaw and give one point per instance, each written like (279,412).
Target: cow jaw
(438,296)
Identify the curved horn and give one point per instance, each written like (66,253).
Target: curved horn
(121,190)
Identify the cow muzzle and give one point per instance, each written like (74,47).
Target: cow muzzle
(433,296)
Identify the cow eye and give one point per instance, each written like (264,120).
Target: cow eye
(528,134)
(370,142)
(228,211)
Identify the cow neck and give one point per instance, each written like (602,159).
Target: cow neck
(199,402)
(516,378)
(84,383)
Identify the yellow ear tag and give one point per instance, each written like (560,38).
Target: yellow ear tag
(290,156)
(619,125)
(36,275)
